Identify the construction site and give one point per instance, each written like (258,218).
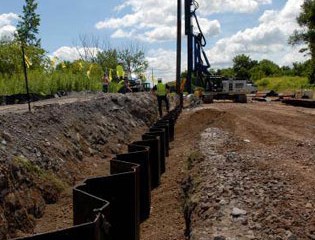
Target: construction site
(231,171)
(219,160)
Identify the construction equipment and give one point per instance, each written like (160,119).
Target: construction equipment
(137,85)
(214,87)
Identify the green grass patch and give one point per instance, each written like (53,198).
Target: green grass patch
(36,171)
(193,158)
(284,83)
(44,83)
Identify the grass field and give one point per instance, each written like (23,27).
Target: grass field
(280,84)
(47,84)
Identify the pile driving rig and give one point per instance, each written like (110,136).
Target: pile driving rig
(215,87)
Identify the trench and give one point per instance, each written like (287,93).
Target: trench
(188,206)
(120,200)
(188,188)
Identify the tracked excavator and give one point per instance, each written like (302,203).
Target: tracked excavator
(214,87)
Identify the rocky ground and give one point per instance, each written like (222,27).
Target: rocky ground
(235,171)
(247,172)
(252,174)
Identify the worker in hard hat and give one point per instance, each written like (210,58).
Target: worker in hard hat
(161,90)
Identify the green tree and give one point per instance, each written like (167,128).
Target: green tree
(265,68)
(242,65)
(306,34)
(27,30)
(302,69)
(10,58)
(269,68)
(27,27)
(286,71)
(226,72)
(133,59)
(107,59)
(256,73)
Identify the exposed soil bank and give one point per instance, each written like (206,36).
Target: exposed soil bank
(47,151)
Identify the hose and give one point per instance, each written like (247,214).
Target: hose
(201,38)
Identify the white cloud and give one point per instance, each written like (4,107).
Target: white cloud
(7,32)
(67,53)
(155,21)
(292,56)
(121,6)
(268,40)
(151,21)
(240,6)
(157,18)
(73,53)
(119,33)
(7,19)
(163,33)
(209,28)
(162,62)
(126,21)
(7,27)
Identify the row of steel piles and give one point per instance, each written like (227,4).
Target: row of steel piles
(113,207)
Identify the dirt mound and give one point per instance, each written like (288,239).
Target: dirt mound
(41,153)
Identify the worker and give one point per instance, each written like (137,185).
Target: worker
(161,90)
(120,72)
(124,86)
(105,81)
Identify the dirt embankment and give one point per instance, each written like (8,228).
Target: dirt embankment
(49,150)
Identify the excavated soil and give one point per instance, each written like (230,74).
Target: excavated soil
(235,171)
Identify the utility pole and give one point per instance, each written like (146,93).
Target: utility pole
(179,50)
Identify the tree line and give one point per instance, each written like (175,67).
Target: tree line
(246,68)
(49,75)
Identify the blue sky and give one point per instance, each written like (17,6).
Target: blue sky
(257,28)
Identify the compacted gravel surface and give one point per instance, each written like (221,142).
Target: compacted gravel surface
(238,171)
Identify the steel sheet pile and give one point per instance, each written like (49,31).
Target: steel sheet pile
(114,206)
